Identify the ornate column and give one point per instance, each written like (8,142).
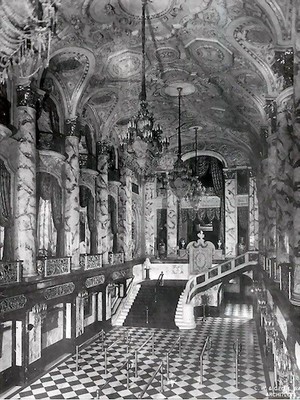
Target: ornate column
(25,202)
(72,190)
(253,213)
(149,215)
(271,193)
(172,221)
(102,202)
(231,234)
(125,212)
(285,191)
(296,163)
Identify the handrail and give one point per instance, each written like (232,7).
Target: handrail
(86,343)
(159,368)
(136,360)
(159,279)
(217,272)
(129,288)
(207,341)
(170,351)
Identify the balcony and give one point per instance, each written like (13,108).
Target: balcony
(53,266)
(11,272)
(90,261)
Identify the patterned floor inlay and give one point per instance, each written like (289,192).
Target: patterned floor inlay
(63,382)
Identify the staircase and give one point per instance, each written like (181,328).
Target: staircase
(184,316)
(120,316)
(161,307)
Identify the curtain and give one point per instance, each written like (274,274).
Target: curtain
(5,212)
(48,188)
(218,183)
(202,165)
(56,203)
(91,217)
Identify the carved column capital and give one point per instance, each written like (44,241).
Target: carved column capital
(28,96)
(72,127)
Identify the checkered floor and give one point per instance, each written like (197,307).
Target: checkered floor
(184,379)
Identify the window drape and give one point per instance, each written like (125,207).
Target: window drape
(6,211)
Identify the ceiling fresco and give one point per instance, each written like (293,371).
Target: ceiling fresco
(222,52)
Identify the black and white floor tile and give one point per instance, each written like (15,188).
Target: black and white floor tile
(219,382)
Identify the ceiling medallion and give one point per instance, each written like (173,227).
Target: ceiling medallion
(172,88)
(155,9)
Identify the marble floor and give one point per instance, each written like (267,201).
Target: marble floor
(90,381)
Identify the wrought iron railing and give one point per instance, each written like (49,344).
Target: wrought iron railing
(90,261)
(53,266)
(11,272)
(116,258)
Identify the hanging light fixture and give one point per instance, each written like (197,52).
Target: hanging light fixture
(26,31)
(142,125)
(197,190)
(180,176)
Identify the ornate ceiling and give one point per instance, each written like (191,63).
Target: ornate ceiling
(222,52)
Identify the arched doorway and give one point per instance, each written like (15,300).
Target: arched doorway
(235,298)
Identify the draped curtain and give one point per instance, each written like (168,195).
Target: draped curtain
(6,211)
(202,163)
(218,183)
(87,200)
(48,188)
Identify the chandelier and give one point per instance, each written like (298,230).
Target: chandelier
(142,125)
(197,190)
(26,30)
(180,176)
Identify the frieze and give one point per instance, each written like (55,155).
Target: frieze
(59,290)
(94,281)
(12,303)
(124,273)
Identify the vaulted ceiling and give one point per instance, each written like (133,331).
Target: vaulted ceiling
(226,54)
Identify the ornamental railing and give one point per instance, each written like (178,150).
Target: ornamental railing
(53,266)
(116,258)
(196,283)
(11,272)
(90,261)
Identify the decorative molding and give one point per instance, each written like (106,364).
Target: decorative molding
(12,303)
(59,290)
(94,281)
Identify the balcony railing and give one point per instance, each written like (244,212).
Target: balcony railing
(116,258)
(11,272)
(90,261)
(53,266)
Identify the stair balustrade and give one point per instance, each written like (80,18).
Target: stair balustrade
(184,317)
